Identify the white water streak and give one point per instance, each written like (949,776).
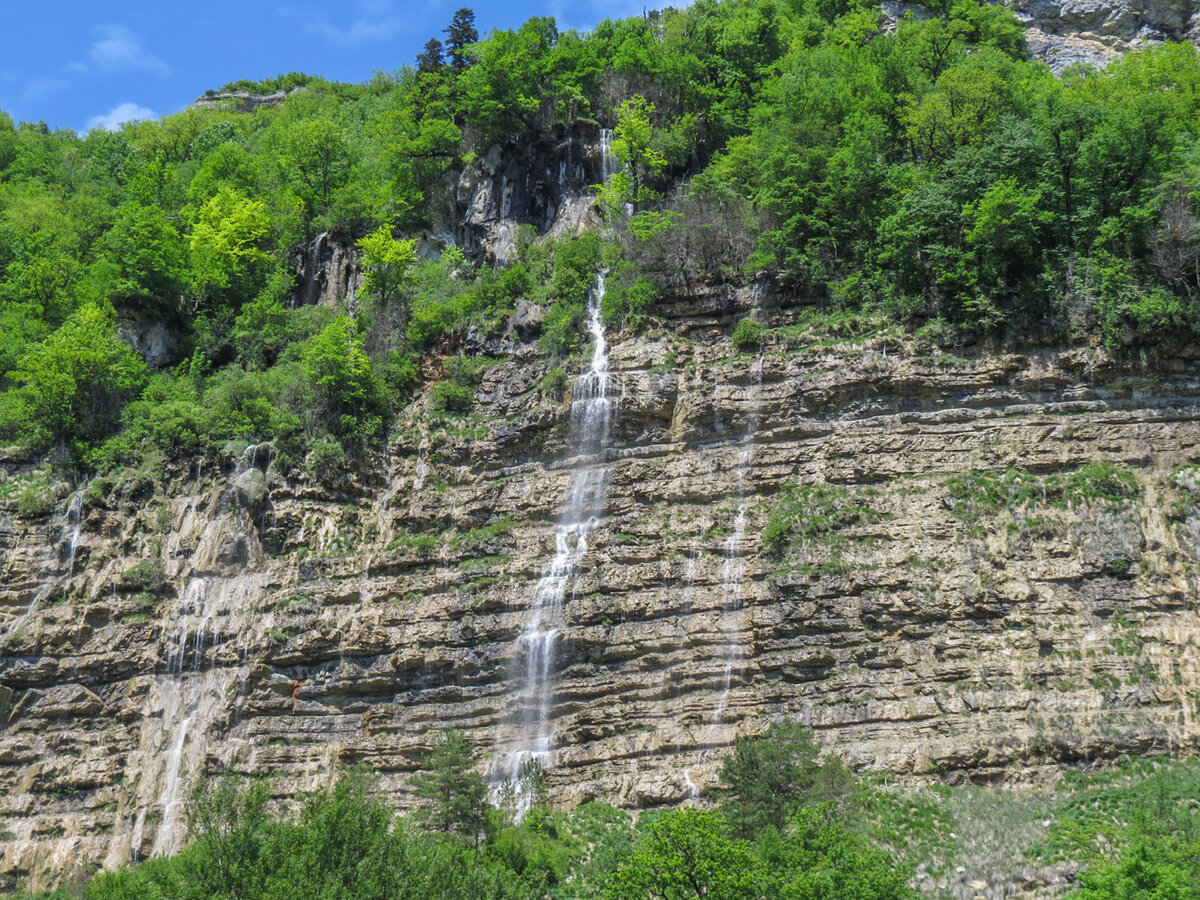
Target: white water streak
(591,414)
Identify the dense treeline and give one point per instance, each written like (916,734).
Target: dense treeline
(788,823)
(792,825)
(928,172)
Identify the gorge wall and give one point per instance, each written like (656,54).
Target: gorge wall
(225,618)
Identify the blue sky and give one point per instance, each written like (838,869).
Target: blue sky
(81,64)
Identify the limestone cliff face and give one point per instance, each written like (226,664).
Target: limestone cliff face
(1064,32)
(223,617)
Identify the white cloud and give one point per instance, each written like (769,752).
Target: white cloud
(118,115)
(117,48)
(372,20)
(43,86)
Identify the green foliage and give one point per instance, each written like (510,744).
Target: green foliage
(341,390)
(930,176)
(386,264)
(35,499)
(451,397)
(72,386)
(227,245)
(641,161)
(748,335)
(813,512)
(769,778)
(688,853)
(454,792)
(147,575)
(978,495)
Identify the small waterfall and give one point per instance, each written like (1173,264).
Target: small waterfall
(201,668)
(314,270)
(733,570)
(75,524)
(51,574)
(609,164)
(591,413)
(732,576)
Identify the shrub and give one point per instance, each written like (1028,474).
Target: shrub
(451,397)
(326,459)
(35,500)
(554,383)
(806,512)
(748,335)
(147,575)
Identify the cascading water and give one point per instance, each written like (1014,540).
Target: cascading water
(52,575)
(591,412)
(200,669)
(733,570)
(75,523)
(314,269)
(609,163)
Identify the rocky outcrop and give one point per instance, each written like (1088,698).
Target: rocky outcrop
(1097,31)
(243,101)
(239,617)
(543,183)
(326,272)
(1062,33)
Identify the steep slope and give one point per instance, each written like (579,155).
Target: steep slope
(228,618)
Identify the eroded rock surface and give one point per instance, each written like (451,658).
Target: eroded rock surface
(227,618)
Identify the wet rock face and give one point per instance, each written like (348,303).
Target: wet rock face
(542,183)
(240,619)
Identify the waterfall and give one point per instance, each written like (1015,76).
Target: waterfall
(733,570)
(200,669)
(51,575)
(609,164)
(591,413)
(312,292)
(732,577)
(75,523)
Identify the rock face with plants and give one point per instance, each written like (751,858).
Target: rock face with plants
(950,566)
(605,398)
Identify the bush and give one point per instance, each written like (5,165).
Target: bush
(808,512)
(147,575)
(748,335)
(554,383)
(451,397)
(35,500)
(326,459)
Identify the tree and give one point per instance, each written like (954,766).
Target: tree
(73,385)
(460,35)
(342,394)
(686,854)
(820,857)
(227,244)
(770,777)
(430,60)
(455,795)
(145,259)
(387,264)
(641,160)
(315,155)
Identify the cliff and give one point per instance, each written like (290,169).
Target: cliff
(230,618)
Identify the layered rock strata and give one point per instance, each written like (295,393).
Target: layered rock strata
(228,617)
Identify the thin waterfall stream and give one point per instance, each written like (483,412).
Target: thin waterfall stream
(733,569)
(583,510)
